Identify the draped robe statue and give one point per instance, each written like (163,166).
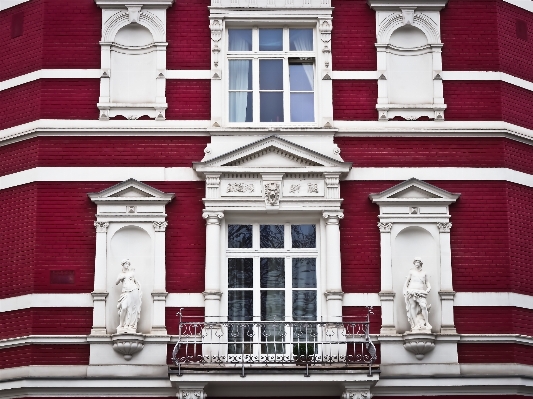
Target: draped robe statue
(129,303)
(415,291)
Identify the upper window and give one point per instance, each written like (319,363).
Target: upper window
(271,75)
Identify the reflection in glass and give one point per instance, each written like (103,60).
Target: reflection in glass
(270,39)
(240,305)
(271,74)
(271,106)
(240,273)
(301,39)
(240,337)
(240,91)
(304,305)
(272,305)
(271,236)
(303,273)
(240,39)
(301,77)
(303,235)
(302,107)
(272,273)
(239,236)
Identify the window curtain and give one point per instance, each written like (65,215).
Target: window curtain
(304,42)
(239,71)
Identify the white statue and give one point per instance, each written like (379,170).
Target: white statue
(129,303)
(415,291)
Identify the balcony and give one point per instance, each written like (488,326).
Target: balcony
(281,347)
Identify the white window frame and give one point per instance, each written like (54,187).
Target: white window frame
(255,55)
(257,253)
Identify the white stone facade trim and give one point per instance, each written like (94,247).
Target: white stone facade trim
(511,299)
(111,174)
(91,74)
(524,4)
(46,301)
(5,4)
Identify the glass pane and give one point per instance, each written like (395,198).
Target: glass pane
(241,106)
(240,39)
(270,74)
(301,77)
(240,273)
(303,235)
(302,107)
(240,305)
(270,39)
(303,273)
(240,337)
(272,273)
(273,305)
(271,236)
(304,305)
(271,106)
(240,74)
(301,39)
(240,236)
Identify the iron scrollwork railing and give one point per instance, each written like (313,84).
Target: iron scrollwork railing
(245,344)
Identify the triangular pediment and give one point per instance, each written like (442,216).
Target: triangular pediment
(272,152)
(131,189)
(414,190)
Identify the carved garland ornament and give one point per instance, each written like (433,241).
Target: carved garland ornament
(240,188)
(357,395)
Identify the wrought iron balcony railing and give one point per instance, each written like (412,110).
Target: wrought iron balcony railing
(244,344)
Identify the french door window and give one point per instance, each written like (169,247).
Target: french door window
(272,277)
(271,75)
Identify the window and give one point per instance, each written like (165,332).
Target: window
(271,75)
(271,276)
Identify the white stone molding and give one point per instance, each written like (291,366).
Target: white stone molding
(127,344)
(5,4)
(190,390)
(334,293)
(148,97)
(408,205)
(212,293)
(523,4)
(400,94)
(139,236)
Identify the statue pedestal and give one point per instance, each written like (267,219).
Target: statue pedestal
(419,342)
(127,344)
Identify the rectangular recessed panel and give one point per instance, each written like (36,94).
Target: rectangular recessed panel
(62,277)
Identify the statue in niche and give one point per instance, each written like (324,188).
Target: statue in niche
(129,303)
(415,291)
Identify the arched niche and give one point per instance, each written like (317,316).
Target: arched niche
(133,66)
(408,243)
(133,243)
(410,67)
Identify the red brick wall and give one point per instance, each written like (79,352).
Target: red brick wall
(495,353)
(46,321)
(473,100)
(18,156)
(470,37)
(69,98)
(353,36)
(71,35)
(359,313)
(428,152)
(515,53)
(493,320)
(17,239)
(188,35)
(519,156)
(355,100)
(22,54)
(520,199)
(515,104)
(189,99)
(51,355)
(21,104)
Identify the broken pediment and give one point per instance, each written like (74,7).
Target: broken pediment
(271,152)
(131,190)
(414,191)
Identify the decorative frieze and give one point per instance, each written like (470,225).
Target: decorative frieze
(356,394)
(240,188)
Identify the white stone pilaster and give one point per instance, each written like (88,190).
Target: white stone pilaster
(333,292)
(386,294)
(159,293)
(212,293)
(446,292)
(100,292)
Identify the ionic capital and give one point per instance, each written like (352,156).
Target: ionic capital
(385,227)
(213,217)
(160,226)
(333,217)
(444,227)
(101,227)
